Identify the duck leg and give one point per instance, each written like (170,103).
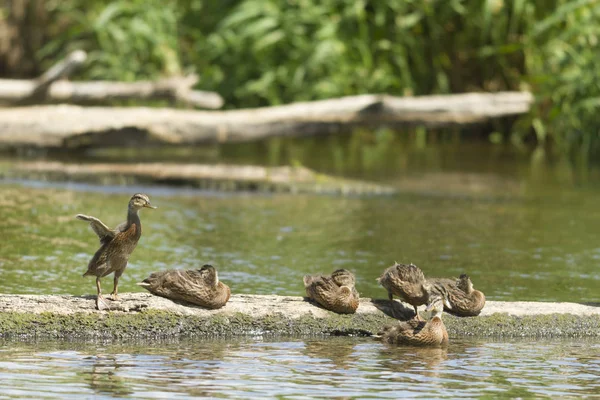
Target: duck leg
(115,291)
(99,298)
(392,304)
(417,316)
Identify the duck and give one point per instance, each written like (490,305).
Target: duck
(201,287)
(116,245)
(333,292)
(431,333)
(408,282)
(460,297)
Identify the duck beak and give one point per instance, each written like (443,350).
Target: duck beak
(148,205)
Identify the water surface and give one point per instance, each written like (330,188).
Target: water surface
(524,227)
(300,368)
(523,247)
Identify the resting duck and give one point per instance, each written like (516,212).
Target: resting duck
(460,298)
(419,333)
(406,281)
(201,287)
(335,292)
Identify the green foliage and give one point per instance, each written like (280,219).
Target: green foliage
(562,54)
(275,51)
(265,52)
(125,40)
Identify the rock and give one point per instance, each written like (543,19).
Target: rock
(145,315)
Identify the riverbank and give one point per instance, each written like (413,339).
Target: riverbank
(145,315)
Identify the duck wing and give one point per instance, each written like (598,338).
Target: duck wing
(105,234)
(410,273)
(324,287)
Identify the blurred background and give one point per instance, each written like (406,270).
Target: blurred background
(509,199)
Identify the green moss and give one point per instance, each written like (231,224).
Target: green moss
(551,325)
(154,323)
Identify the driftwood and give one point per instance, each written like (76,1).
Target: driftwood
(145,315)
(49,88)
(219,177)
(73,126)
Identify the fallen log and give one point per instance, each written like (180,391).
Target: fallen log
(74,126)
(48,88)
(61,70)
(145,315)
(215,177)
(176,89)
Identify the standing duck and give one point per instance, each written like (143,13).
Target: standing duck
(419,333)
(201,287)
(116,245)
(335,292)
(460,298)
(406,281)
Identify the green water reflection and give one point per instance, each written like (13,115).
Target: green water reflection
(514,247)
(524,225)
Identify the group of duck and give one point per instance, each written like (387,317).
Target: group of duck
(335,292)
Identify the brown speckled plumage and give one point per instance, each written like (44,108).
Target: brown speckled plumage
(406,281)
(201,287)
(460,298)
(116,245)
(334,292)
(419,333)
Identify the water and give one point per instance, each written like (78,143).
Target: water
(302,368)
(525,248)
(523,230)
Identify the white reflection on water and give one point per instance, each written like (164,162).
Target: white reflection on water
(330,367)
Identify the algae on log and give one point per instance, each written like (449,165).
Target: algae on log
(145,315)
(216,177)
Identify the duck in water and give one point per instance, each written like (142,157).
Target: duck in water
(116,245)
(201,287)
(419,333)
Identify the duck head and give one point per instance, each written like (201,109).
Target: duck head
(139,201)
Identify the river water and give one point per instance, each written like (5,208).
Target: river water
(299,368)
(522,230)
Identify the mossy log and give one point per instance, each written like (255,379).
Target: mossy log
(67,126)
(145,315)
(214,177)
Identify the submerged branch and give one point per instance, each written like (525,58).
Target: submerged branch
(219,177)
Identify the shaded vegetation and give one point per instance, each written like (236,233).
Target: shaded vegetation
(262,52)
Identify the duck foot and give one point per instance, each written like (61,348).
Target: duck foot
(101,304)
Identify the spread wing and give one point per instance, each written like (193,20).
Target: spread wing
(105,234)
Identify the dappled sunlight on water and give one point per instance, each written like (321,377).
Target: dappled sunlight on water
(339,367)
